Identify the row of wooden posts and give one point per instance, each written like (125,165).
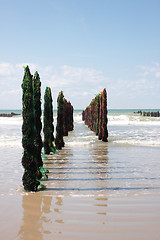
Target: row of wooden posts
(151,114)
(32,126)
(95,116)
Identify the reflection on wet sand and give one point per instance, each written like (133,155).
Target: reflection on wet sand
(45,216)
(36,210)
(102,204)
(31,225)
(92,192)
(75,203)
(76,169)
(59,203)
(70,218)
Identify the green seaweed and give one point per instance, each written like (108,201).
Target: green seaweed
(48,128)
(31,172)
(59,129)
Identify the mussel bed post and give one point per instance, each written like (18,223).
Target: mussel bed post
(31,168)
(95,116)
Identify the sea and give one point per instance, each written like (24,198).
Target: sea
(128,164)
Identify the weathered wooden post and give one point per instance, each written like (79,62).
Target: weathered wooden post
(65,117)
(48,128)
(70,120)
(59,128)
(37,118)
(95,116)
(100,118)
(97,113)
(31,169)
(104,116)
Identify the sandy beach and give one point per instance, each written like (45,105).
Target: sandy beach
(48,217)
(94,190)
(78,203)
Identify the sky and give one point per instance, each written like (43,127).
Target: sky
(81,47)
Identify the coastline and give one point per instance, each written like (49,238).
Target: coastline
(94,190)
(71,215)
(30,217)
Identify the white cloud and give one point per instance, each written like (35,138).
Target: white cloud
(153,70)
(74,81)
(10,92)
(84,93)
(80,85)
(6,69)
(157,74)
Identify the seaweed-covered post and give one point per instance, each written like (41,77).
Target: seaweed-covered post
(83,115)
(95,116)
(48,128)
(65,117)
(97,113)
(37,118)
(59,129)
(51,122)
(72,120)
(92,115)
(100,118)
(89,116)
(103,132)
(70,124)
(104,116)
(31,169)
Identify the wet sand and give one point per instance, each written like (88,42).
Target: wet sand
(85,198)
(47,217)
(94,191)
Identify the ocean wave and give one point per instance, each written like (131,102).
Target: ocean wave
(135,142)
(78,118)
(11,120)
(10,141)
(130,129)
(125,119)
(133,120)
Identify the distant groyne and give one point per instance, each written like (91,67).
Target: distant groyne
(8,114)
(149,114)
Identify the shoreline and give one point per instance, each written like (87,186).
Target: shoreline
(53,217)
(84,163)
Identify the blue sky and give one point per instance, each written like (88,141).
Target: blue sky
(80,47)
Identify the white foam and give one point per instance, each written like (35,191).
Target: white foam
(77,117)
(10,141)
(137,142)
(11,120)
(133,120)
(147,132)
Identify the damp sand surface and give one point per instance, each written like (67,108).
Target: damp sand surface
(54,217)
(94,193)
(94,190)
